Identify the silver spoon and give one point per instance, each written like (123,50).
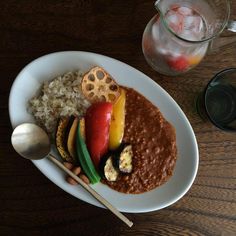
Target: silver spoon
(32,142)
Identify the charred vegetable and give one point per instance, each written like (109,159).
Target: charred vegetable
(82,128)
(72,137)
(85,159)
(107,169)
(117,125)
(98,86)
(117,161)
(61,134)
(97,124)
(123,158)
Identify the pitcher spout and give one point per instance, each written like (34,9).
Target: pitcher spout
(159,7)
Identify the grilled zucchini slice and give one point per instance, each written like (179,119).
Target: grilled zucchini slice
(61,134)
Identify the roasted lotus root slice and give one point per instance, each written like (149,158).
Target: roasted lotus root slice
(97,85)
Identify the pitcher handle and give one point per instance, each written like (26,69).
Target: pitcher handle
(231,26)
(223,41)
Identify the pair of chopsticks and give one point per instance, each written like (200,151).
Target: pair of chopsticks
(103,201)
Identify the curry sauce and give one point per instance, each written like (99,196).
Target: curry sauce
(154,146)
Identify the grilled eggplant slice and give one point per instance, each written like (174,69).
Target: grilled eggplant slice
(123,158)
(107,168)
(115,162)
(111,174)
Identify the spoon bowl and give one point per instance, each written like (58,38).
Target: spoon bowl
(30,141)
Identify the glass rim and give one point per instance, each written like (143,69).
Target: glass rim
(194,41)
(215,77)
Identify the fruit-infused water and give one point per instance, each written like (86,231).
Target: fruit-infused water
(172,45)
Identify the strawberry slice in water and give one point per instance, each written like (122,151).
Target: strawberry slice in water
(178,63)
(174,7)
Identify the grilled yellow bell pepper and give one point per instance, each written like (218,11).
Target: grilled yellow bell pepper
(117,125)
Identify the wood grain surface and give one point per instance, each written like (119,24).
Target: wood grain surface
(32,205)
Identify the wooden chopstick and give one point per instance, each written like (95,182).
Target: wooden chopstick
(102,200)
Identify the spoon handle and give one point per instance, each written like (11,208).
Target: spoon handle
(103,201)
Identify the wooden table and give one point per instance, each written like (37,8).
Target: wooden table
(30,203)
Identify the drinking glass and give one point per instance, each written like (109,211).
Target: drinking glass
(218,101)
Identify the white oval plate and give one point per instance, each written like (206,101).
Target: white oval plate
(49,66)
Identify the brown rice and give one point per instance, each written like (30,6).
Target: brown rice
(59,97)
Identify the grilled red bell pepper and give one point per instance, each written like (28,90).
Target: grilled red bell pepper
(97,123)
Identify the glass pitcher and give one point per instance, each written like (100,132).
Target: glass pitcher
(178,37)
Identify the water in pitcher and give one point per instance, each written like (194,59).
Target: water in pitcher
(173,54)
(186,22)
